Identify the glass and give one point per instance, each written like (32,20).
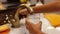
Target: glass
(35,18)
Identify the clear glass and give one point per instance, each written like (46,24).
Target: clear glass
(34,18)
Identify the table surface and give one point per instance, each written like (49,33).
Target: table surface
(46,27)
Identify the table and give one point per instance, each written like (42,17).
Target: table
(46,27)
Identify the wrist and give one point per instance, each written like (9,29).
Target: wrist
(37,32)
(40,32)
(30,10)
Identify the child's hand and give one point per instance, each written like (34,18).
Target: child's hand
(34,29)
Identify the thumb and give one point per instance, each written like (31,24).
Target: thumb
(39,25)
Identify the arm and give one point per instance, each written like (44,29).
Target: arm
(50,7)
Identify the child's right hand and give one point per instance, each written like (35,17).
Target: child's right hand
(34,29)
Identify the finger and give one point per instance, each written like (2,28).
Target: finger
(28,22)
(27,26)
(40,25)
